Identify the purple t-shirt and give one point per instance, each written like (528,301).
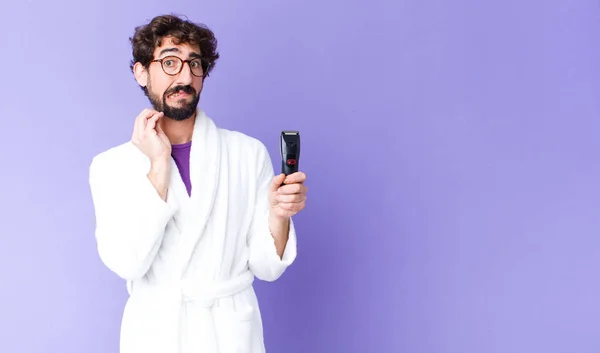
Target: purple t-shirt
(181,155)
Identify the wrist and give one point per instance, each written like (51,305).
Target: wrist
(278,225)
(160,162)
(274,217)
(280,229)
(159,175)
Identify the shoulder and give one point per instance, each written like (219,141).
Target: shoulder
(244,144)
(121,157)
(251,153)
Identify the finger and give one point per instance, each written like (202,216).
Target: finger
(152,123)
(276,182)
(291,208)
(140,121)
(292,189)
(287,206)
(297,177)
(294,198)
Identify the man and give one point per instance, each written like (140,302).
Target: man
(188,213)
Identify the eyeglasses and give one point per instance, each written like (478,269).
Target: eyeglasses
(173,65)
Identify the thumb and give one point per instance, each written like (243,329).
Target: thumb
(277,181)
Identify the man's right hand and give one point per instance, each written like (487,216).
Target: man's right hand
(149,137)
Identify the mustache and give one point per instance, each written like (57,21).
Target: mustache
(185,89)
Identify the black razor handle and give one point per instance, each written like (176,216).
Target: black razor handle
(290,151)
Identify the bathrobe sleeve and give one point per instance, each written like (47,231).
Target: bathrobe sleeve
(130,216)
(264,261)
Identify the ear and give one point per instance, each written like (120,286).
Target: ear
(141,74)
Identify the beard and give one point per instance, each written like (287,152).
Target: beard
(180,113)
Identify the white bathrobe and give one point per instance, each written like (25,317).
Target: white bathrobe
(190,262)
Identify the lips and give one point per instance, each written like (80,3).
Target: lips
(178,94)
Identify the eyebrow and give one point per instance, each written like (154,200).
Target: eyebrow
(175,50)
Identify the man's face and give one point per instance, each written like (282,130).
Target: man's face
(176,93)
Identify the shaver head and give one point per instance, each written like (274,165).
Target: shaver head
(290,151)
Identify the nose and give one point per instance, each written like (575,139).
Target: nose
(185,75)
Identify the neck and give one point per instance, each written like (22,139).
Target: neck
(178,132)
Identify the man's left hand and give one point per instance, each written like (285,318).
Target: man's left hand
(289,199)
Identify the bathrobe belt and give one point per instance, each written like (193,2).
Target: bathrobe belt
(170,303)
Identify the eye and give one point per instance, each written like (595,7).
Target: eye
(195,63)
(169,62)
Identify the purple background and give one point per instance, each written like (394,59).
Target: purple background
(451,150)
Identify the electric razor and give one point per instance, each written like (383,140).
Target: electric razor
(290,151)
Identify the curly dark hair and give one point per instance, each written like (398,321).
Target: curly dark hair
(148,37)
